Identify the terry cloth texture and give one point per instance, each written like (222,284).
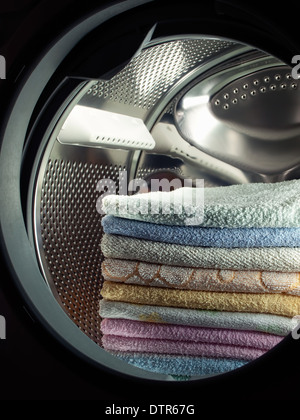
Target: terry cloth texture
(201,236)
(186,348)
(268,323)
(268,259)
(277,304)
(244,205)
(179,365)
(158,275)
(179,333)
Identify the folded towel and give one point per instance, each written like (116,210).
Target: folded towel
(269,323)
(158,275)
(246,205)
(201,236)
(179,333)
(184,348)
(180,365)
(268,259)
(276,304)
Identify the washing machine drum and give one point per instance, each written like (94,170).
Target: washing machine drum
(134,93)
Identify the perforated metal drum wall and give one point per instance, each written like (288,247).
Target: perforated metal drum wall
(69,231)
(67,224)
(149,76)
(71,235)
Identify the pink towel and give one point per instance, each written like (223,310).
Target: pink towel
(138,329)
(188,348)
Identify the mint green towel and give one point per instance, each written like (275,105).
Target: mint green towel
(246,205)
(269,323)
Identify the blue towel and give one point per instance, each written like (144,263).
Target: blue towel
(201,236)
(180,365)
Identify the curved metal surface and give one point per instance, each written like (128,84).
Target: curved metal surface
(251,122)
(167,85)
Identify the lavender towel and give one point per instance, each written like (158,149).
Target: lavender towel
(201,236)
(138,329)
(180,365)
(184,348)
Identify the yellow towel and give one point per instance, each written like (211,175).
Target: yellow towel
(277,304)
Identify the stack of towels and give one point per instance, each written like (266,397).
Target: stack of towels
(192,300)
